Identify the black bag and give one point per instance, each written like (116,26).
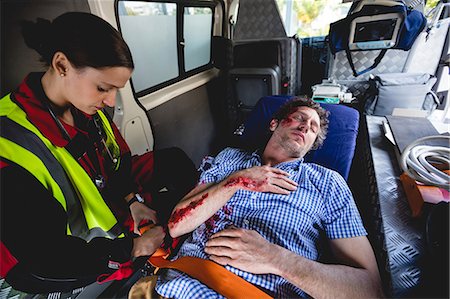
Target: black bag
(400,90)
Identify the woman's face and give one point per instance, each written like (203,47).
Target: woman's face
(90,89)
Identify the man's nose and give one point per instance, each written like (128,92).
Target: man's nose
(110,99)
(304,126)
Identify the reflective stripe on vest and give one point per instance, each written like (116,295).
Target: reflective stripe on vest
(110,139)
(22,143)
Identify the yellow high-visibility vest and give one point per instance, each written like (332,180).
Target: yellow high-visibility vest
(56,169)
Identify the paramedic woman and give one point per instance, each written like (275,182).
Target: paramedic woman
(67,175)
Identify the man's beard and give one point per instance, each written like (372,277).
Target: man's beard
(292,148)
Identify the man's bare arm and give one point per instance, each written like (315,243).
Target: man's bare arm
(355,277)
(206,199)
(197,206)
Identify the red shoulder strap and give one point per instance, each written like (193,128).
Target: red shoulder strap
(3,164)
(7,260)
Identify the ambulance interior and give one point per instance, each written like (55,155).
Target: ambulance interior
(208,73)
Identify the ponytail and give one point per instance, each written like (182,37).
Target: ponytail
(38,36)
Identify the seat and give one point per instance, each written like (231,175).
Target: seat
(336,152)
(265,60)
(373,60)
(431,45)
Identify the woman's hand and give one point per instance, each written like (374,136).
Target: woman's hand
(140,212)
(148,242)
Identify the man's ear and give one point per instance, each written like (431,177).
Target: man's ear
(273,125)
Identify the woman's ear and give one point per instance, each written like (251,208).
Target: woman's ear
(60,64)
(273,125)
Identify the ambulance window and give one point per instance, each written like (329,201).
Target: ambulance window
(431,10)
(197,36)
(169,41)
(141,24)
(309,18)
(430,4)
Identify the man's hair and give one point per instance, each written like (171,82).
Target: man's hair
(303,101)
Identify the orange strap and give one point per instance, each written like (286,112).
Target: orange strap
(209,273)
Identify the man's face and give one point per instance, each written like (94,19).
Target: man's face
(297,132)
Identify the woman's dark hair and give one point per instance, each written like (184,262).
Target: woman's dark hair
(86,40)
(303,101)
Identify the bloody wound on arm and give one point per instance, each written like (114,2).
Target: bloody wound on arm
(246,183)
(179,214)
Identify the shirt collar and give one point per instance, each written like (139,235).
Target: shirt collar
(294,164)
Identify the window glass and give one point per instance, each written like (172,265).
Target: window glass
(197,36)
(431,10)
(154,50)
(308,18)
(430,5)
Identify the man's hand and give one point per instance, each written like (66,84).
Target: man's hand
(262,179)
(243,249)
(140,212)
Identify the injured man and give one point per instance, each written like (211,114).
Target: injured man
(262,215)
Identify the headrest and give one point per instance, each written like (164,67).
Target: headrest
(336,152)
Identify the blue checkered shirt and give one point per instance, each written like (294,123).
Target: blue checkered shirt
(322,204)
